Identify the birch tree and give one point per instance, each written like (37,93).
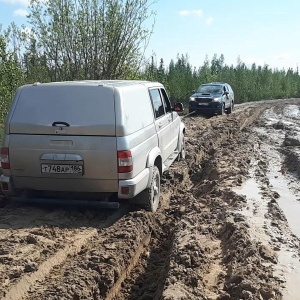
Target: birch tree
(92,39)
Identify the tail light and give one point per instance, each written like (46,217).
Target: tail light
(124,161)
(5,158)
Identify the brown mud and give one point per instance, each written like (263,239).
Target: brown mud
(220,232)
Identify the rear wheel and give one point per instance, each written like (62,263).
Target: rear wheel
(181,154)
(149,198)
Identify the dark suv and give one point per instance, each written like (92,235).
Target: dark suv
(212,98)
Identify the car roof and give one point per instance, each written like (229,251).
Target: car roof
(214,83)
(112,83)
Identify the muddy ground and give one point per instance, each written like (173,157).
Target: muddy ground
(227,226)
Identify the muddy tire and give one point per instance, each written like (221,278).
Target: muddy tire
(149,198)
(222,110)
(230,109)
(181,154)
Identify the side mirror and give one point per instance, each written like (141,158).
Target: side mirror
(193,91)
(178,106)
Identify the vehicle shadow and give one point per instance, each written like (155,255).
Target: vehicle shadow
(29,213)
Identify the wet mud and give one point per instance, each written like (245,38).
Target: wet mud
(226,227)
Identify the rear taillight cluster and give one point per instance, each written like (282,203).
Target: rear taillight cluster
(5,158)
(124,161)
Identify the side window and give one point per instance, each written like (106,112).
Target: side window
(158,106)
(166,100)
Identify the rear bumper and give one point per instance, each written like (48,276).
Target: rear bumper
(134,186)
(126,189)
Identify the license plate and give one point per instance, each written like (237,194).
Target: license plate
(61,169)
(202,104)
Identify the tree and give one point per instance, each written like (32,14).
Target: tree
(10,77)
(91,39)
(180,78)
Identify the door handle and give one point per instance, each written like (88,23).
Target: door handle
(160,125)
(61,124)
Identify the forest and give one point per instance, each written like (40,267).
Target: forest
(93,40)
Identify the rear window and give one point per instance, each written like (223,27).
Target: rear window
(79,106)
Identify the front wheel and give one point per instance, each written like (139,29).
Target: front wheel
(230,108)
(222,110)
(149,198)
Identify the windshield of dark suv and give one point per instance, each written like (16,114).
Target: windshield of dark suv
(210,89)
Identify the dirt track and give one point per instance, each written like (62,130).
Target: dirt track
(222,230)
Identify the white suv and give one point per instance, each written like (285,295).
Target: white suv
(91,138)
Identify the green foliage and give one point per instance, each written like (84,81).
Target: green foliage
(249,83)
(10,77)
(180,78)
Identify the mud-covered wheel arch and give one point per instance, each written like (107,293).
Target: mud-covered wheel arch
(149,198)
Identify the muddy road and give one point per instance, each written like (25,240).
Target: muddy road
(227,227)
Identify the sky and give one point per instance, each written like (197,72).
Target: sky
(257,31)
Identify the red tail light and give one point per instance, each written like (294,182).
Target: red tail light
(5,158)
(124,161)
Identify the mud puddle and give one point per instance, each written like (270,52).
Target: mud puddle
(279,141)
(288,266)
(288,200)
(283,179)
(256,208)
(288,260)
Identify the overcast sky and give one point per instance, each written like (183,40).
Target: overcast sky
(260,31)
